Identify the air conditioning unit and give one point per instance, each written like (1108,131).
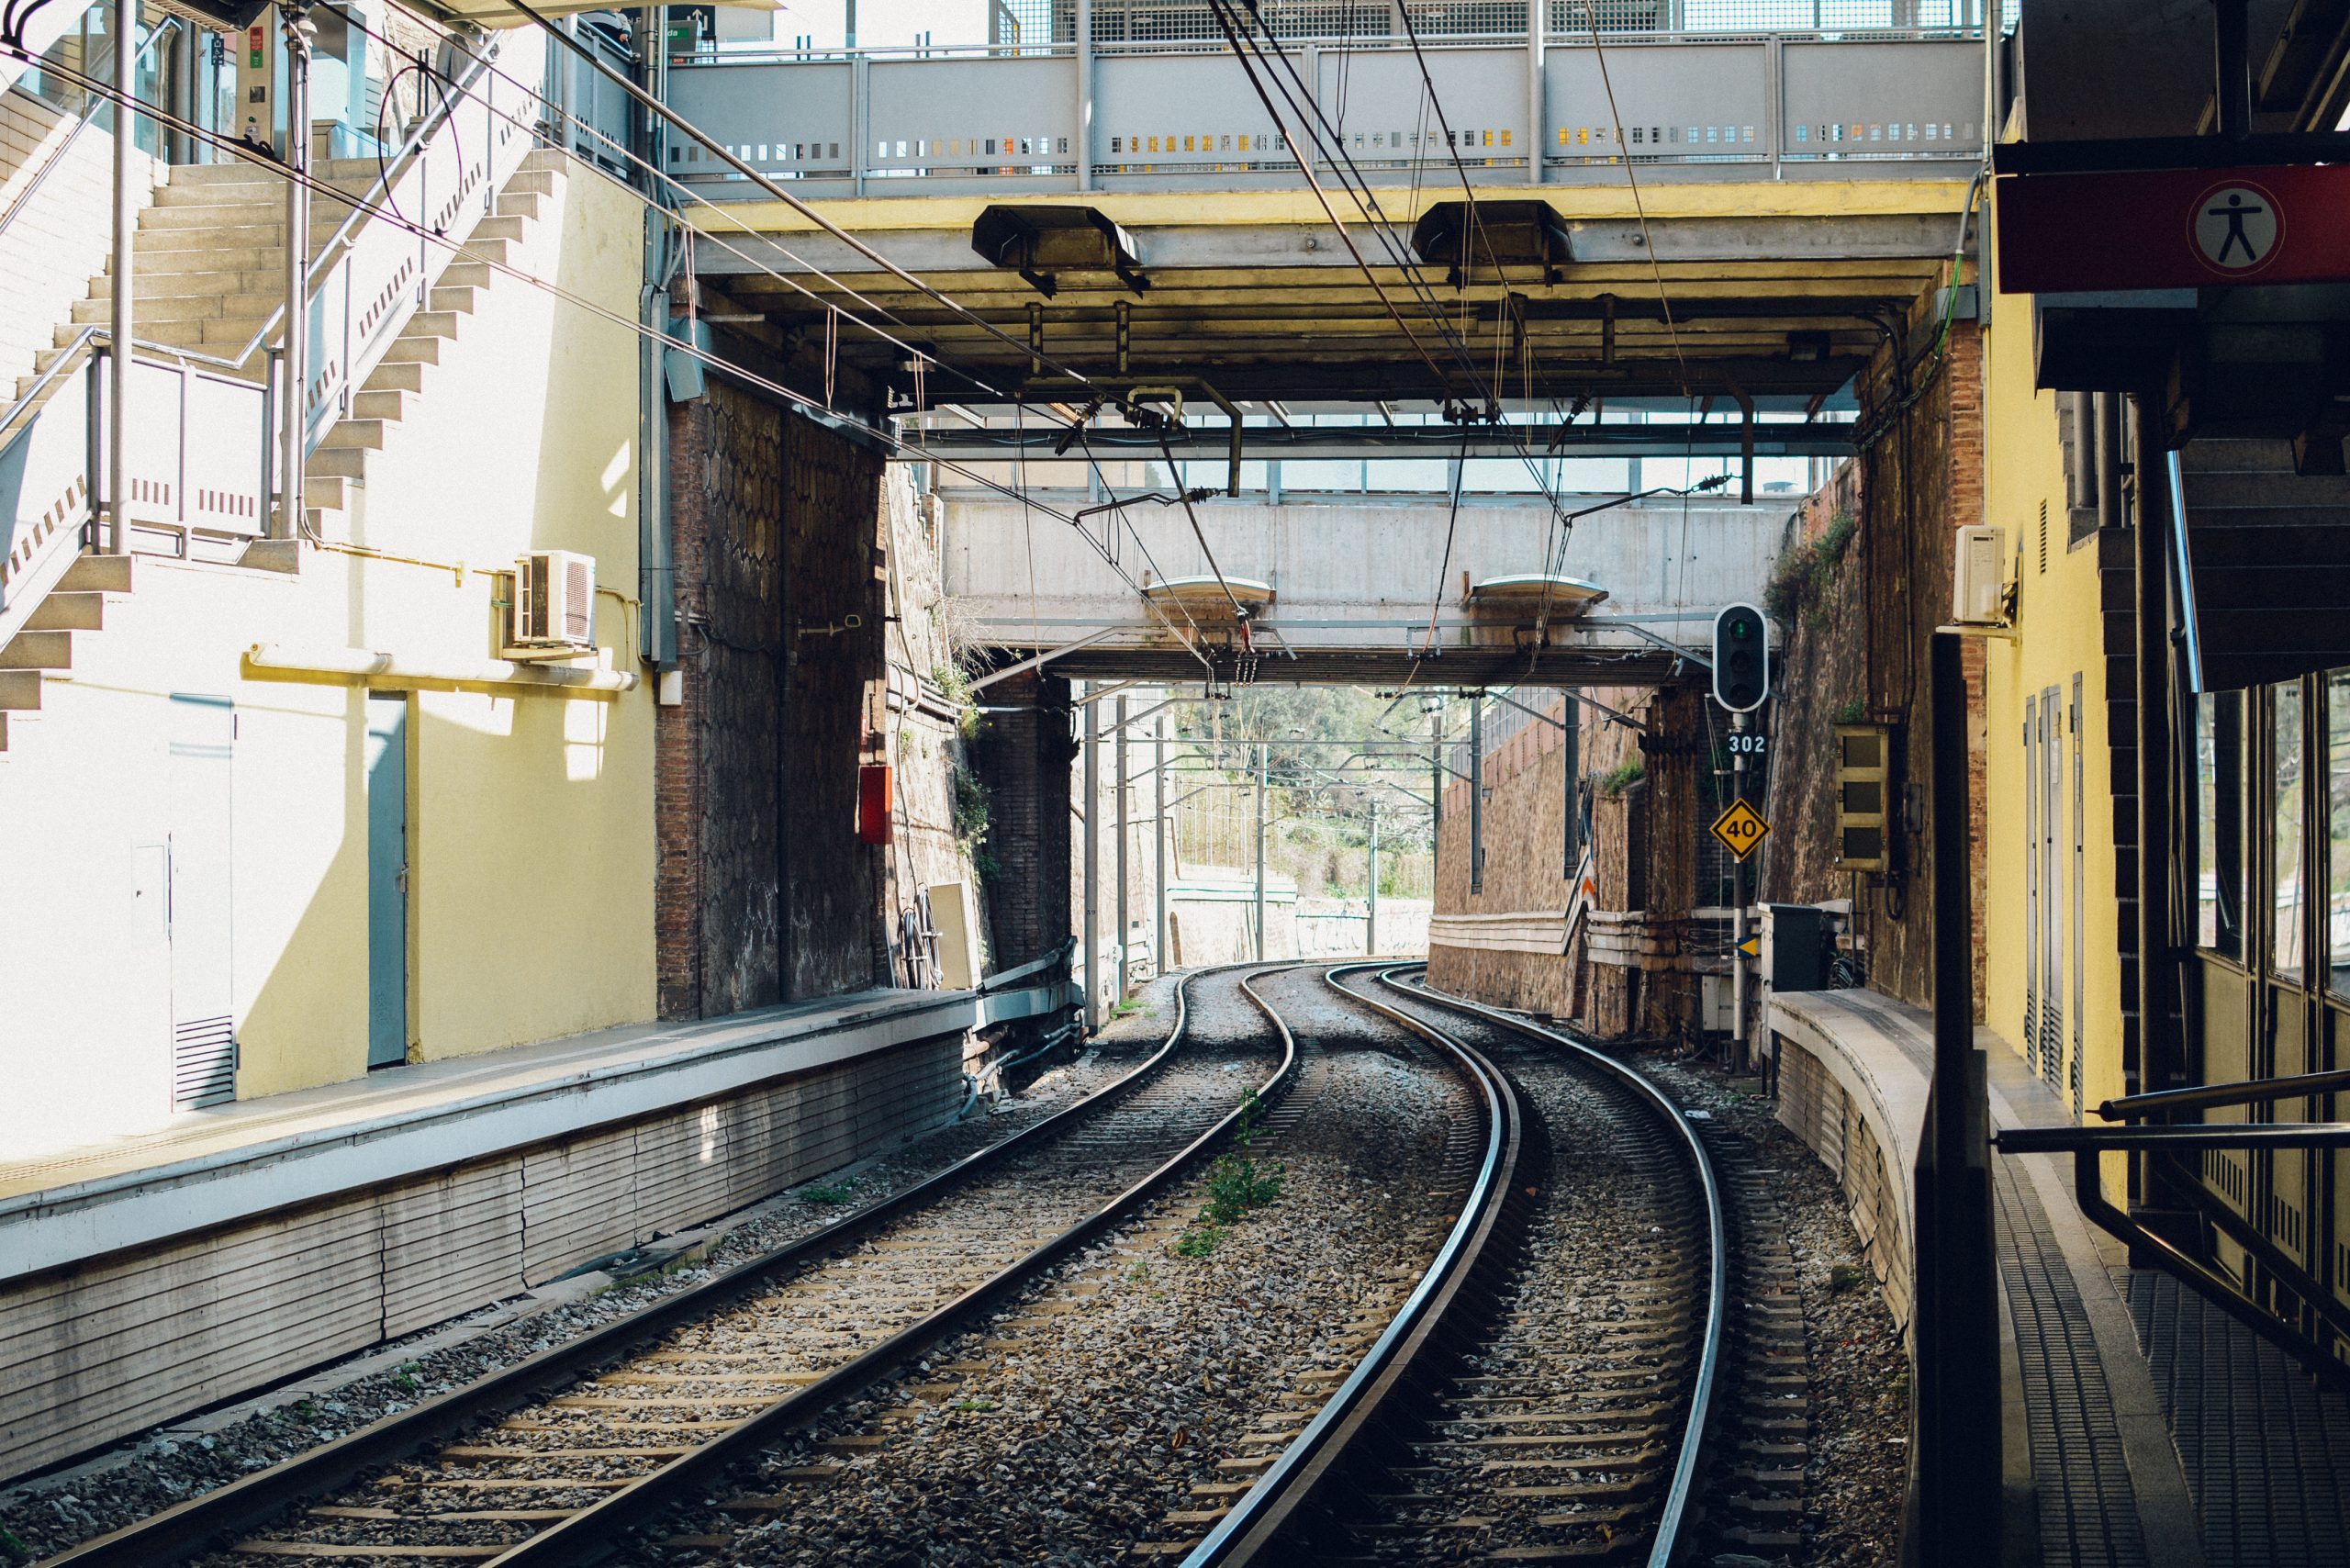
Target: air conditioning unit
(554,612)
(1977,575)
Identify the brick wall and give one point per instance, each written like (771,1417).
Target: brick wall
(836,566)
(1023,753)
(1860,648)
(1643,978)
(765,892)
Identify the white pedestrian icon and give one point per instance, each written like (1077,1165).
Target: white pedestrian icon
(2235,228)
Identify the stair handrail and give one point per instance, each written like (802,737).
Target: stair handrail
(82,122)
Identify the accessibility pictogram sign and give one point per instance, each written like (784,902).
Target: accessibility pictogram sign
(2172,227)
(1741,828)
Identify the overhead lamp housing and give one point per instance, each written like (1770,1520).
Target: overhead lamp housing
(1042,242)
(1508,235)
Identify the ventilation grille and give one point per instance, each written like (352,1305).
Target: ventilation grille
(579,598)
(2044,537)
(204,1064)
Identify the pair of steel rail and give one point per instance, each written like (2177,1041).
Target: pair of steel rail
(1300,1476)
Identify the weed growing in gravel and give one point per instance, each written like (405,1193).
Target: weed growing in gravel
(11,1548)
(973,1406)
(1237,1183)
(1198,1241)
(1843,1277)
(825,1193)
(405,1378)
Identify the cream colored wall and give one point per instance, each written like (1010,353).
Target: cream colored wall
(2060,631)
(531,814)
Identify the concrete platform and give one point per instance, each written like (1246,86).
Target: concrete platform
(152,1275)
(2143,1426)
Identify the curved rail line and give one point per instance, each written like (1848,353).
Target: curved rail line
(1458,1284)
(220,1518)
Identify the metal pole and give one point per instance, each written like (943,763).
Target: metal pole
(1092,863)
(1477,792)
(1124,917)
(294,385)
(1955,1324)
(1534,118)
(1082,144)
(126,233)
(1261,750)
(2159,1064)
(1370,920)
(1738,914)
(1158,851)
(2231,66)
(1571,796)
(1435,785)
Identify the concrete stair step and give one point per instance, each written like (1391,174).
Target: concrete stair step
(410,349)
(21,690)
(432,324)
(38,651)
(336,462)
(98,574)
(2232,456)
(468,274)
(149,312)
(158,285)
(499,228)
(456,300)
(512,203)
(201,261)
(69,612)
(366,435)
(394,376)
(329,491)
(544,161)
(534,182)
(384,407)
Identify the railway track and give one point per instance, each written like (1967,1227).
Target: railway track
(1544,1394)
(557,1459)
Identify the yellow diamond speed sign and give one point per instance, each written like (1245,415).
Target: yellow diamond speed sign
(1741,828)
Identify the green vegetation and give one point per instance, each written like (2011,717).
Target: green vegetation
(1844,1277)
(1852,711)
(970,807)
(826,1192)
(954,683)
(973,1406)
(1237,1185)
(1622,776)
(1802,574)
(12,1547)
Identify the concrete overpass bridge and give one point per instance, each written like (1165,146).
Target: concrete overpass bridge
(1113,211)
(1359,590)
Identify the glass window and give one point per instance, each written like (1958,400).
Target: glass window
(2218,838)
(2284,731)
(2337,826)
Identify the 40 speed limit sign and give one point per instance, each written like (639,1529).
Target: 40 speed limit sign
(1741,828)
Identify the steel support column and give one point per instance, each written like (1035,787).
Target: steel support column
(1477,792)
(2159,1064)
(1082,142)
(1091,914)
(1954,1413)
(125,234)
(294,385)
(1160,830)
(1261,751)
(1124,919)
(1534,117)
(1371,913)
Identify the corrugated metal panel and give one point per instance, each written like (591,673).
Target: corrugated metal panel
(450,1242)
(578,1202)
(90,1354)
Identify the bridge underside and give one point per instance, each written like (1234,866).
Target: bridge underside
(1353,591)
(1727,291)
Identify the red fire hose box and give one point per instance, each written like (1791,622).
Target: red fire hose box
(875,798)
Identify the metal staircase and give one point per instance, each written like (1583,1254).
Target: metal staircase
(2267,561)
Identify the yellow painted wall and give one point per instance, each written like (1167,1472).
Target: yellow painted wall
(2060,631)
(531,814)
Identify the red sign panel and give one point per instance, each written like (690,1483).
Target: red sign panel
(2174,228)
